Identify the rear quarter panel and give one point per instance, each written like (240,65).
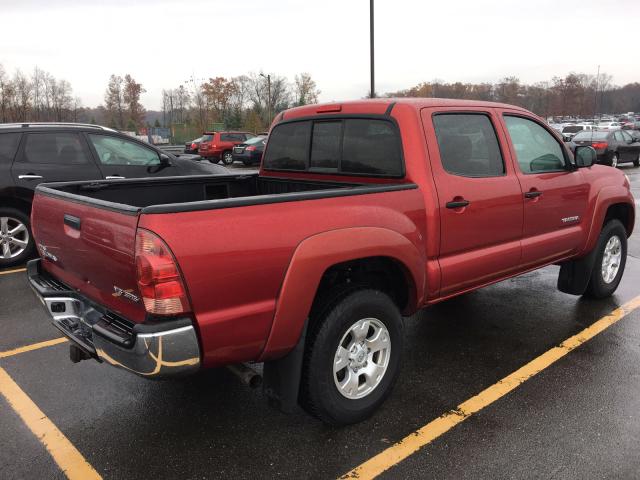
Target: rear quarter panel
(234,260)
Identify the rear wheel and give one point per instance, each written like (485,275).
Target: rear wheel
(16,241)
(352,357)
(227,157)
(610,260)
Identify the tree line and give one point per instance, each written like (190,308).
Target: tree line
(38,97)
(245,101)
(576,94)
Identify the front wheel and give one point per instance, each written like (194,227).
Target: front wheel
(16,241)
(227,157)
(610,261)
(636,162)
(614,160)
(352,357)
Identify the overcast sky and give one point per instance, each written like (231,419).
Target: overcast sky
(161,43)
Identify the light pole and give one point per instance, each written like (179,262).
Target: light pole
(373,82)
(268,77)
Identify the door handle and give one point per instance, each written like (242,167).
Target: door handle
(72,221)
(457,204)
(532,194)
(30,176)
(114,177)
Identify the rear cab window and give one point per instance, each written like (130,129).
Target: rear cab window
(351,146)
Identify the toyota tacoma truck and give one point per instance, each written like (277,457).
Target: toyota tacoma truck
(362,212)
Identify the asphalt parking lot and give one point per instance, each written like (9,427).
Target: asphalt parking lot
(578,418)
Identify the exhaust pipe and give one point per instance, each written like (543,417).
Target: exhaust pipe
(246,374)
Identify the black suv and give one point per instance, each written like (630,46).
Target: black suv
(31,153)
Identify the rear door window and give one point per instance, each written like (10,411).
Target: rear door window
(8,147)
(468,145)
(54,148)
(356,146)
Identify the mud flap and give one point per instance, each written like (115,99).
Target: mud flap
(575,274)
(281,377)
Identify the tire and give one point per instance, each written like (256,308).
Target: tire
(599,285)
(227,157)
(636,162)
(11,252)
(332,329)
(614,160)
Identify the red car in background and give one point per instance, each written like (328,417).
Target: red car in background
(216,146)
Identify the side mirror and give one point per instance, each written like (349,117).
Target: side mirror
(165,161)
(585,156)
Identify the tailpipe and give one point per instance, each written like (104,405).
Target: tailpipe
(246,374)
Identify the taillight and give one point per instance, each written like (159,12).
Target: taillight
(599,145)
(193,146)
(250,148)
(158,276)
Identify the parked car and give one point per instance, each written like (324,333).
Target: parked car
(362,212)
(192,146)
(612,147)
(635,125)
(634,134)
(216,146)
(32,153)
(609,126)
(250,152)
(570,131)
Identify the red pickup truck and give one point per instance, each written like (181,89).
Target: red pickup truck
(362,212)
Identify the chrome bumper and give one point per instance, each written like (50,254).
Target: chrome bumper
(162,350)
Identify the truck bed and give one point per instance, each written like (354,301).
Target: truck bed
(180,194)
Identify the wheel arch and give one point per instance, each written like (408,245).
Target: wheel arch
(329,255)
(611,202)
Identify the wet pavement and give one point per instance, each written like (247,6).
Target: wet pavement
(579,418)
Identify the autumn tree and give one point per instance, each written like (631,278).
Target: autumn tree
(114,102)
(131,98)
(305,89)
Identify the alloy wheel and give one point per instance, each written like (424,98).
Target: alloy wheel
(14,237)
(611,259)
(362,358)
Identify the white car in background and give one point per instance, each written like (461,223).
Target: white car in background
(570,131)
(607,126)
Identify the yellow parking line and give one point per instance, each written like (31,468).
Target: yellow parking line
(68,458)
(425,435)
(33,346)
(17,270)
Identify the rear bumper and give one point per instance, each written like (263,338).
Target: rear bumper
(161,350)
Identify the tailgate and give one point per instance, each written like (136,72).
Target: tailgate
(91,249)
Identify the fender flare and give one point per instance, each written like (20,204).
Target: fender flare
(606,197)
(315,255)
